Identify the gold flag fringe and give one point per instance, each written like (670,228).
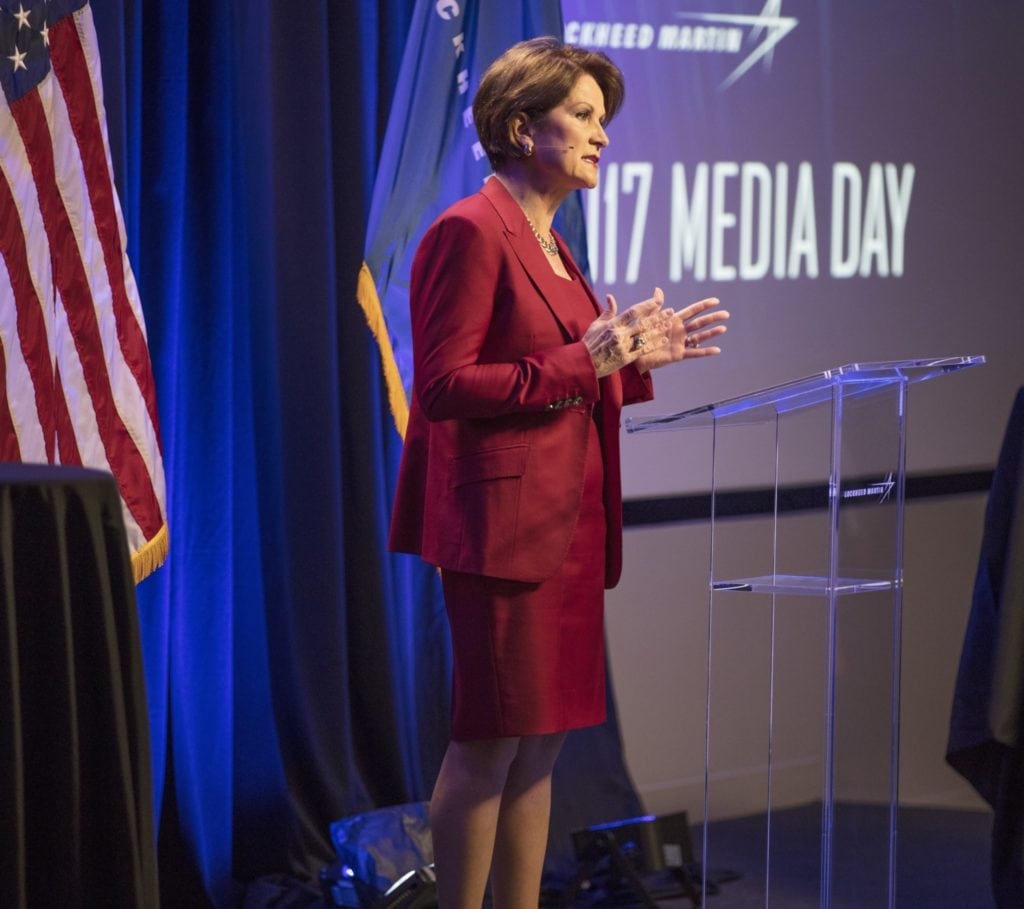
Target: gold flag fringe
(151,556)
(366,294)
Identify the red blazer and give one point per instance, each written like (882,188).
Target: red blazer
(492,470)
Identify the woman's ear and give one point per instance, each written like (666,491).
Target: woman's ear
(520,134)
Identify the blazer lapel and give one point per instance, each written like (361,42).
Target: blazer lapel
(533,259)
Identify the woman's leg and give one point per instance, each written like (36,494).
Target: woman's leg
(464,816)
(522,831)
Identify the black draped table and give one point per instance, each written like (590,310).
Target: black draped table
(76,808)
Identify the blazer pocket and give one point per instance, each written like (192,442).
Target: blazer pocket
(489,464)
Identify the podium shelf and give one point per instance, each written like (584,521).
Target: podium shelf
(802,585)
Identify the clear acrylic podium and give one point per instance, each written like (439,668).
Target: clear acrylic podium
(804,619)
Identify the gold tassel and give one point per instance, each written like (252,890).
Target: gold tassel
(366,294)
(151,556)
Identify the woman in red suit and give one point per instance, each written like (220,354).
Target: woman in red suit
(509,479)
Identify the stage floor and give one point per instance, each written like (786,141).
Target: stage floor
(942,861)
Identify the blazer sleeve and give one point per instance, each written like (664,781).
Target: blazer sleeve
(636,386)
(461,370)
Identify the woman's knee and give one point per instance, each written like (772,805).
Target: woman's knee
(537,754)
(483,760)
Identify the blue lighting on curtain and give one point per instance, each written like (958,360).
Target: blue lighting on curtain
(296,672)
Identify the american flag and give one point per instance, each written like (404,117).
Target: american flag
(76,384)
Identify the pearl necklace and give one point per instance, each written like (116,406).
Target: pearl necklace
(549,245)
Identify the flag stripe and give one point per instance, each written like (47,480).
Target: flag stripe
(69,66)
(30,355)
(78,432)
(116,298)
(92,235)
(9,448)
(67,445)
(75,294)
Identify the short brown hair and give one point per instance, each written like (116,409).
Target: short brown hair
(531,78)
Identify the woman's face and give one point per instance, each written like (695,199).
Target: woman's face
(568,140)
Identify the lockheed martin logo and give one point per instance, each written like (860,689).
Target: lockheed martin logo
(882,489)
(753,36)
(767,29)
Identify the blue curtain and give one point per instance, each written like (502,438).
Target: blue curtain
(296,672)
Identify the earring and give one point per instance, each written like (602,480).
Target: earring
(527,149)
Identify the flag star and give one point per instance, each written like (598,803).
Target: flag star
(18,59)
(45,32)
(22,16)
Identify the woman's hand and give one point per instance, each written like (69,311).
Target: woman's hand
(615,339)
(651,335)
(686,334)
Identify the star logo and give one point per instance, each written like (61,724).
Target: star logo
(768,27)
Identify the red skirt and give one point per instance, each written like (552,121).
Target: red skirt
(529,658)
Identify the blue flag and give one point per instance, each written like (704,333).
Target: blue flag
(432,157)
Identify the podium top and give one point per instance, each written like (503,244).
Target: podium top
(764,404)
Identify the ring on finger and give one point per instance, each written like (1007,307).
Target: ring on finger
(638,342)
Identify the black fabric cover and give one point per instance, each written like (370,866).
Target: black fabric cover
(986,745)
(76,822)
